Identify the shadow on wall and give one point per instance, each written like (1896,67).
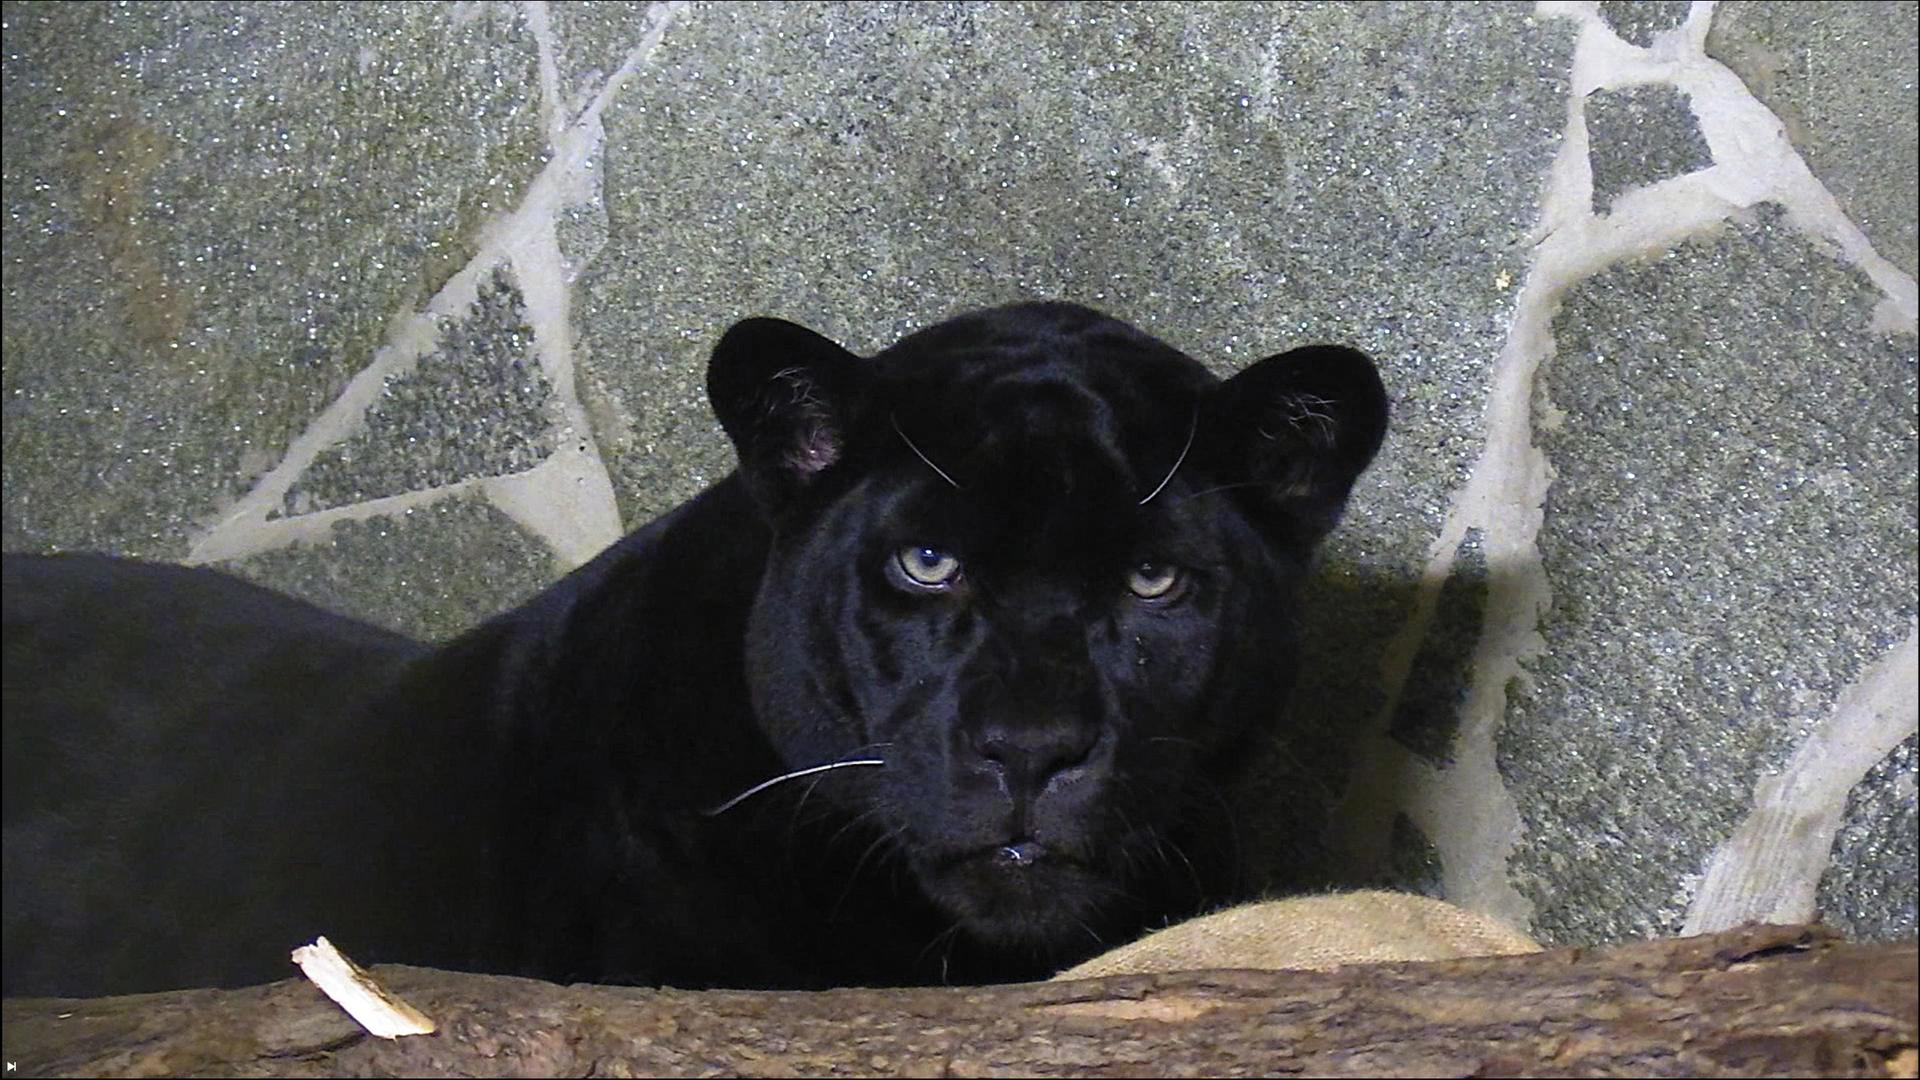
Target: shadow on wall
(1292,803)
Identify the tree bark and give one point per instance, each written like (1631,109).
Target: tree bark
(1759,1000)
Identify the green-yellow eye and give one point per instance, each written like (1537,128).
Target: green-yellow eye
(1153,581)
(928,567)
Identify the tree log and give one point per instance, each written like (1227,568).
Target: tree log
(1759,1000)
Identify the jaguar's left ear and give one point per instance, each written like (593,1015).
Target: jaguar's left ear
(788,398)
(1300,427)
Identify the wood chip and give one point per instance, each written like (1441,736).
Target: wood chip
(353,989)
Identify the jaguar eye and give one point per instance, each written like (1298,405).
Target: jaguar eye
(927,567)
(1154,581)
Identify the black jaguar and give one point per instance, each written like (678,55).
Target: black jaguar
(941,684)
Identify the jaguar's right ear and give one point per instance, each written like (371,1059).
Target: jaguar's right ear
(1295,430)
(788,399)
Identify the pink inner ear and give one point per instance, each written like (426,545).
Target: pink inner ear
(818,447)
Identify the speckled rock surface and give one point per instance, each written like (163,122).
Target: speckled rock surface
(1867,891)
(412,571)
(212,213)
(1641,135)
(1845,79)
(1202,171)
(1640,21)
(477,405)
(1731,441)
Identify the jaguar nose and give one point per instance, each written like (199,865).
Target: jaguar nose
(1027,757)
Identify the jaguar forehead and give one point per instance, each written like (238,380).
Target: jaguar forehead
(921,454)
(1053,505)
(1192,430)
(1031,419)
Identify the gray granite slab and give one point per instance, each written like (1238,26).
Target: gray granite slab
(1869,891)
(1236,178)
(431,571)
(1638,22)
(1730,539)
(590,42)
(1638,136)
(212,213)
(1842,76)
(475,405)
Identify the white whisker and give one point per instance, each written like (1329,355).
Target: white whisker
(1191,432)
(916,452)
(794,775)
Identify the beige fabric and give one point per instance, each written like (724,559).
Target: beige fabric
(1314,932)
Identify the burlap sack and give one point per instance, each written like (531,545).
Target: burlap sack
(1313,933)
